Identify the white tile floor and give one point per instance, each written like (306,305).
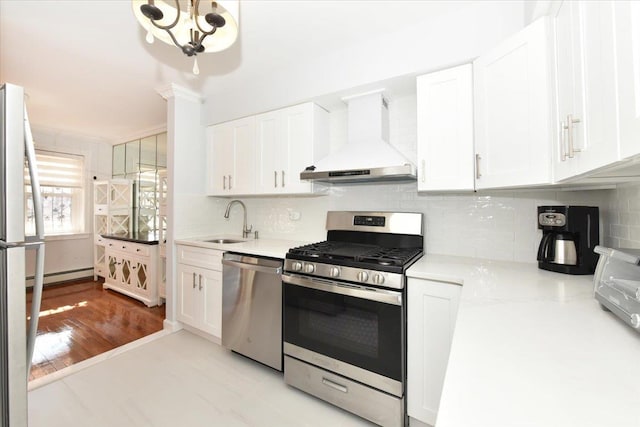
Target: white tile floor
(181,380)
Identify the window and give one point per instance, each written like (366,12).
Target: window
(62,187)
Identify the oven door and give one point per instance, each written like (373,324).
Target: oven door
(351,330)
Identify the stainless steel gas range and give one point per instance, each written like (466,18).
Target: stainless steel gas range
(345,316)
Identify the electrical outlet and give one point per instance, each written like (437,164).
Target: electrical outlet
(294,215)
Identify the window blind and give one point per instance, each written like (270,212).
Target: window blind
(59,170)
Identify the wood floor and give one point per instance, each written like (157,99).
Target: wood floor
(80,320)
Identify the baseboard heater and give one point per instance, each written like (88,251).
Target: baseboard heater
(62,276)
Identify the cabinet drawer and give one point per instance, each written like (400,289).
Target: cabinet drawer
(99,240)
(100,209)
(200,257)
(128,247)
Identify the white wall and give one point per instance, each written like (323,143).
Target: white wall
(75,252)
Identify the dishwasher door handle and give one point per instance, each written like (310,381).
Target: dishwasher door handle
(252,267)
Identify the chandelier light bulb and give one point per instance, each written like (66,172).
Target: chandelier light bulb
(196,70)
(149,37)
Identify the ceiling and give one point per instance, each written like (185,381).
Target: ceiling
(88,71)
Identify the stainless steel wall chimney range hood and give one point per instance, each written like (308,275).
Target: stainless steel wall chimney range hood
(367,156)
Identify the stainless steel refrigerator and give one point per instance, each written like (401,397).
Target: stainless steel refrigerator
(17,340)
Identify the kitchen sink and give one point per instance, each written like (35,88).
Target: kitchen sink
(224,241)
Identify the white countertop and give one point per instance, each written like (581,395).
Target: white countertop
(533,348)
(263,247)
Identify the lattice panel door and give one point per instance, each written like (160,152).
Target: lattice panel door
(101,193)
(126,271)
(120,195)
(99,255)
(141,275)
(112,267)
(100,224)
(119,224)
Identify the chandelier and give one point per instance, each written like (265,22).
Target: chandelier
(193,26)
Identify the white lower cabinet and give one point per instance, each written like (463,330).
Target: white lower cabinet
(199,299)
(131,269)
(432,308)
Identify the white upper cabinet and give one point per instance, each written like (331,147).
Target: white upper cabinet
(586,122)
(231,157)
(513,111)
(289,140)
(264,154)
(627,18)
(445,130)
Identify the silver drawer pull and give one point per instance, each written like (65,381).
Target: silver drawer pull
(335,386)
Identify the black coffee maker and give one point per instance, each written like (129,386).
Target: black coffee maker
(569,235)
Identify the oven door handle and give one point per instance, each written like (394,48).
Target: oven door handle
(378,295)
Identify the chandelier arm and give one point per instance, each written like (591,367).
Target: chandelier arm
(170,26)
(172,37)
(204,33)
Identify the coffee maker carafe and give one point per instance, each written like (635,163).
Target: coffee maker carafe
(569,235)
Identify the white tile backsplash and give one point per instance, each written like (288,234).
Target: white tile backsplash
(623,208)
(496,225)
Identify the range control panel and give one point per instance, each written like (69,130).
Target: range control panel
(372,221)
(552,219)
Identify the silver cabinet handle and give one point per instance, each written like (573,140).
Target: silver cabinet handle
(563,152)
(478,174)
(570,122)
(282,179)
(224,182)
(275,179)
(229,182)
(199,282)
(335,385)
(424,173)
(194,280)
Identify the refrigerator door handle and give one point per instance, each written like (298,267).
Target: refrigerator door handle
(30,152)
(38,280)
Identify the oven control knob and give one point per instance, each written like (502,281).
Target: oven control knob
(378,279)
(363,276)
(296,266)
(309,268)
(334,272)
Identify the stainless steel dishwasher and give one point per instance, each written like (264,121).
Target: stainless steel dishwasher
(252,307)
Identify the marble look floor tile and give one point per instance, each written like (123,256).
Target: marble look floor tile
(179,380)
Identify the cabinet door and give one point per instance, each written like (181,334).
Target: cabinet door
(586,77)
(210,296)
(187,308)
(297,146)
(512,99)
(242,180)
(268,161)
(432,309)
(220,158)
(627,20)
(445,130)
(140,276)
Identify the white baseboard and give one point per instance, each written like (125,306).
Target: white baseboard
(64,276)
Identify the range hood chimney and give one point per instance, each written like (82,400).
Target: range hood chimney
(367,156)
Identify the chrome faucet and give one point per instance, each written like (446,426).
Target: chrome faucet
(245,230)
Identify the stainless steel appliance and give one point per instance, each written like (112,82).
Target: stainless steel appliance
(345,316)
(16,342)
(367,156)
(617,283)
(252,307)
(569,235)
